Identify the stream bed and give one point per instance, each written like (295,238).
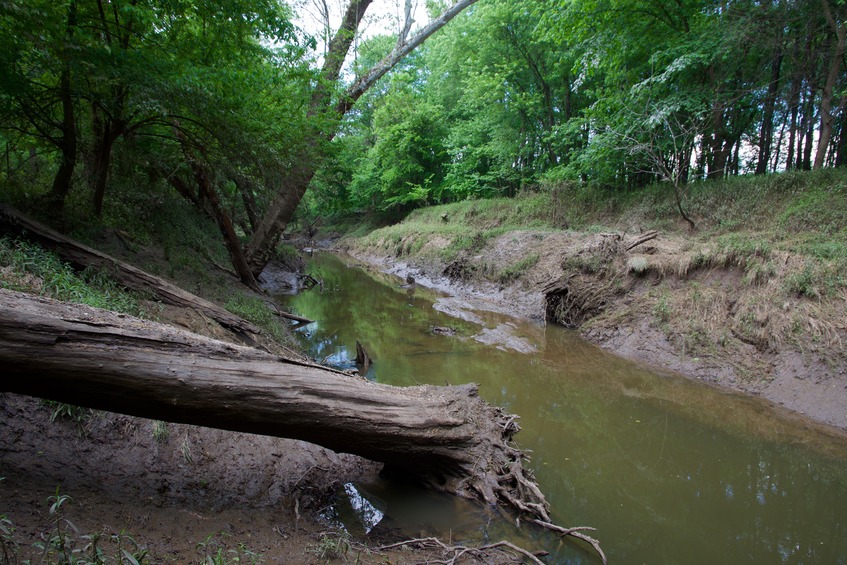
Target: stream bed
(668,470)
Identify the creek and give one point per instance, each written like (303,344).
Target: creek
(668,470)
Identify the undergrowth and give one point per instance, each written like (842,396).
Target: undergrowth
(65,543)
(259,312)
(29,268)
(749,223)
(218,549)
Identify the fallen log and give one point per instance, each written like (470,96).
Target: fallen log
(16,224)
(446,436)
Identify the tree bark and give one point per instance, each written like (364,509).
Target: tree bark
(794,108)
(219,214)
(445,436)
(367,80)
(841,147)
(106,133)
(826,115)
(805,159)
(16,224)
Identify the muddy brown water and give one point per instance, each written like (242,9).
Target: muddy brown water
(667,469)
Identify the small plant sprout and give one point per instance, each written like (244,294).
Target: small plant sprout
(160,431)
(186,450)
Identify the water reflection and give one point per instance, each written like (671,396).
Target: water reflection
(668,470)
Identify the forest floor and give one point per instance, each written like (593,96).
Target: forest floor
(728,311)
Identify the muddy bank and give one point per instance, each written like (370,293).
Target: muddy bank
(181,492)
(84,483)
(692,306)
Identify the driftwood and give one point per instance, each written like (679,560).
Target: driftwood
(16,224)
(301,321)
(445,436)
(455,552)
(643,239)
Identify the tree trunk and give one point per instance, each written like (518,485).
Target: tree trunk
(102,160)
(281,209)
(841,147)
(16,224)
(805,159)
(445,436)
(766,135)
(794,108)
(219,214)
(64,176)
(245,188)
(717,157)
(774,167)
(826,115)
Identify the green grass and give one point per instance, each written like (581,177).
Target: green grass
(332,546)
(30,268)
(65,543)
(256,310)
(217,549)
(517,269)
(813,202)
(743,222)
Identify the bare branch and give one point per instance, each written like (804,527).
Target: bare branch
(407,25)
(355,91)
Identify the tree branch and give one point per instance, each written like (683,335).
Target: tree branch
(355,91)
(338,48)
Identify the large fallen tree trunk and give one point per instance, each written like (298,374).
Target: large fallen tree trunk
(16,224)
(95,358)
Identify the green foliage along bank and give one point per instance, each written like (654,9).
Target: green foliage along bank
(617,95)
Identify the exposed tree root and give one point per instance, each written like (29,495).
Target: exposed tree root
(458,551)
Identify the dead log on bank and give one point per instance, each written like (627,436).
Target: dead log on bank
(644,238)
(16,224)
(80,355)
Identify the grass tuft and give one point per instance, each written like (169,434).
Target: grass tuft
(29,268)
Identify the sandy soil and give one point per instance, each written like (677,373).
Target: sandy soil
(703,321)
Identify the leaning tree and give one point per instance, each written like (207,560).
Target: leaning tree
(324,104)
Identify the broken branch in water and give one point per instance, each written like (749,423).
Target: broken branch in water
(363,360)
(287,315)
(309,282)
(575,532)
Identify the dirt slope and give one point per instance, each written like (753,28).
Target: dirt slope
(732,313)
